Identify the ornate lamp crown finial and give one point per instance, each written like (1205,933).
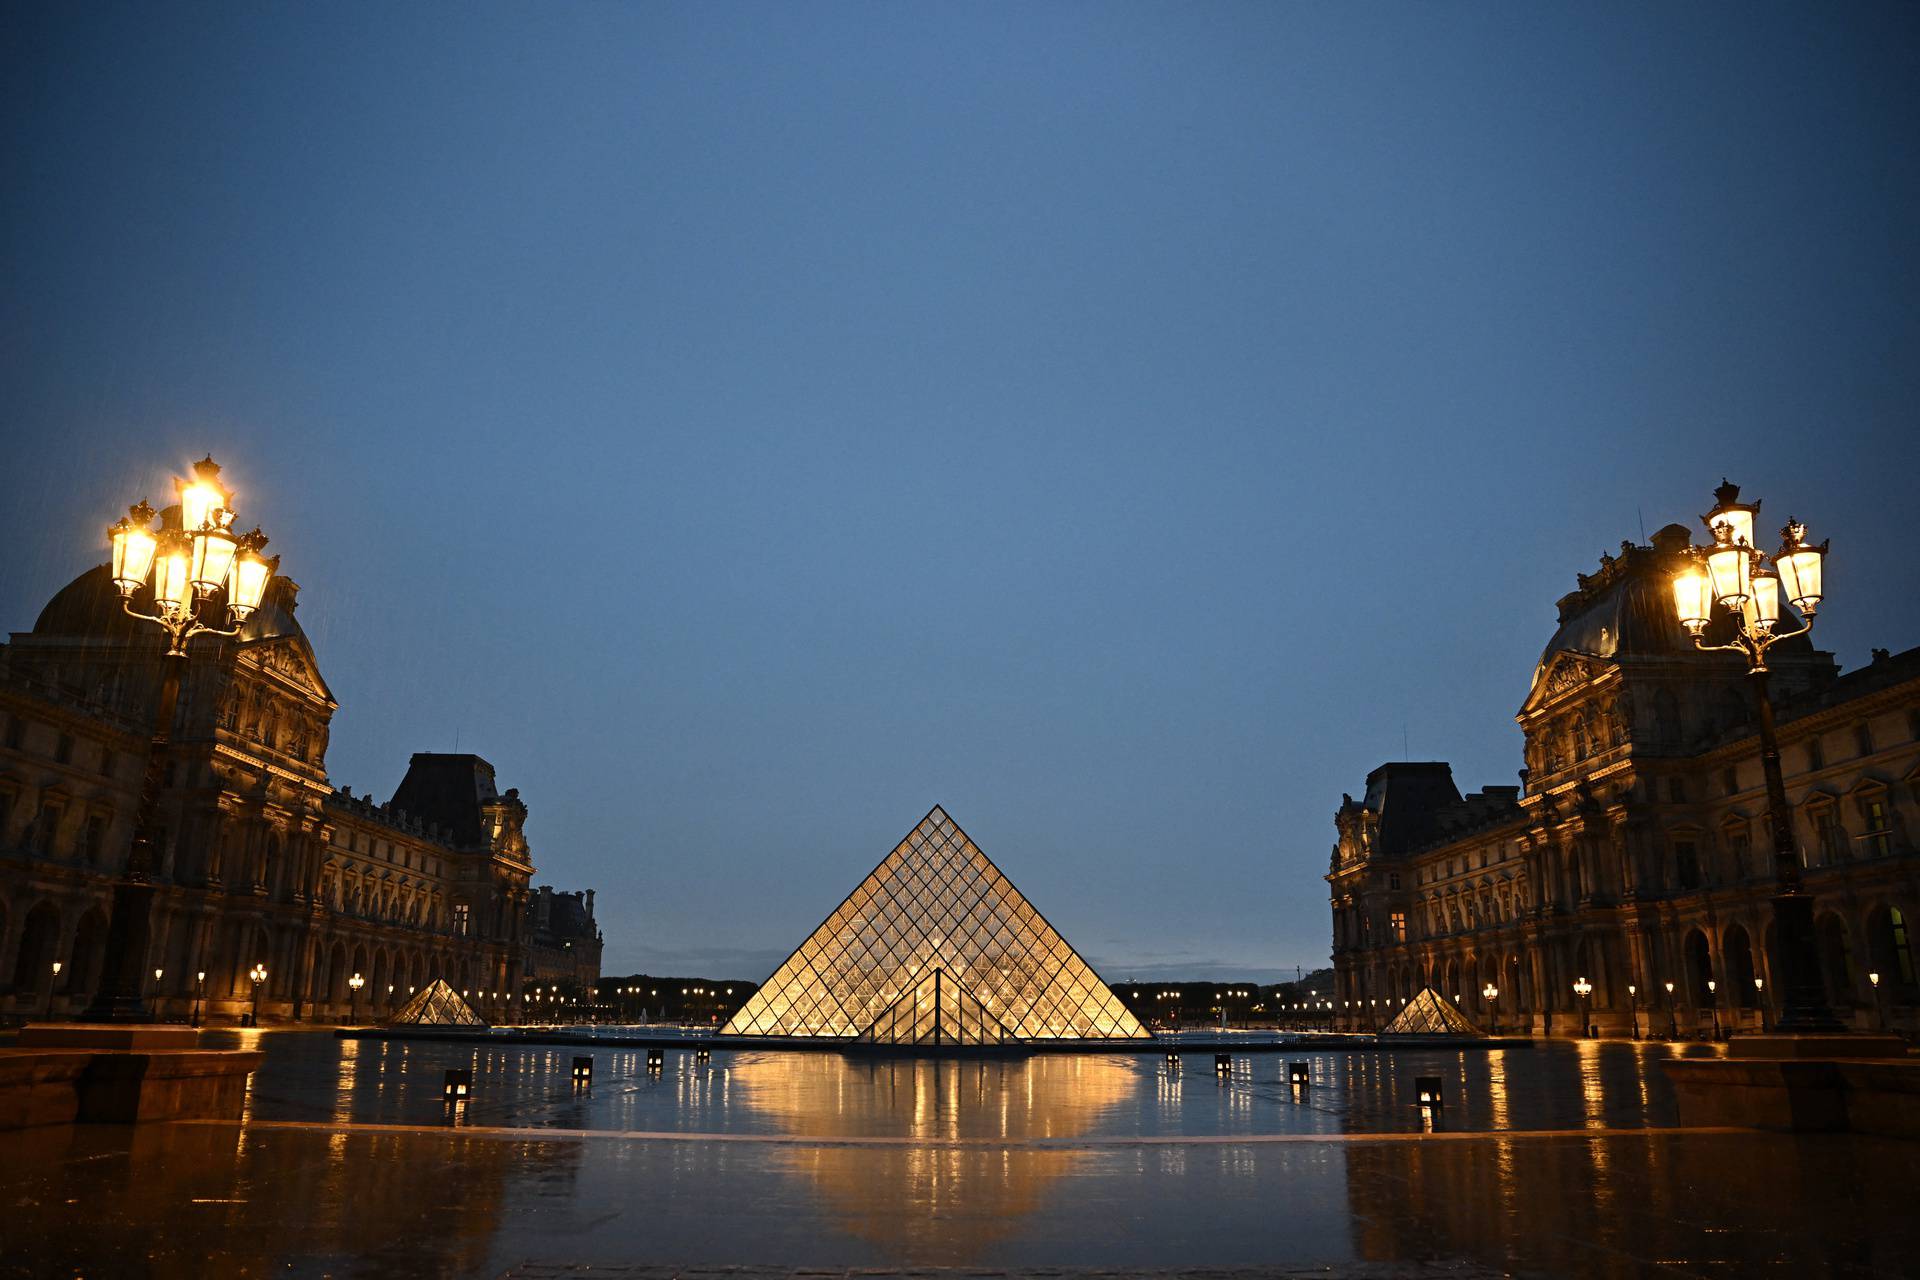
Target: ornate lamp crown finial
(1793,533)
(206,468)
(1727,494)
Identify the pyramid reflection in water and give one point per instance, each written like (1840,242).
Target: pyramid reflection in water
(936,947)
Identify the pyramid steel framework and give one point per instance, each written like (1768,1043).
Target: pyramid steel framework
(1428,1014)
(437,1006)
(936,947)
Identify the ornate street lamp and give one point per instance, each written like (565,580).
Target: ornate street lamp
(1733,575)
(1879,1013)
(194,577)
(1760,997)
(1492,993)
(353,1006)
(1633,1006)
(259,975)
(199,994)
(1584,989)
(1714,1000)
(1673,1027)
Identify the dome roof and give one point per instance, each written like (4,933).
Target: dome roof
(90,606)
(1626,609)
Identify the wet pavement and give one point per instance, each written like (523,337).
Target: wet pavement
(1554,1160)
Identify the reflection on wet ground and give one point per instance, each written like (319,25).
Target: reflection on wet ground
(347,1164)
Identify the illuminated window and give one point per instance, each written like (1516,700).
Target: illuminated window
(1399,926)
(1902,945)
(1879,837)
(460,919)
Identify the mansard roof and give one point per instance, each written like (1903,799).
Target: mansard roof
(1625,610)
(448,789)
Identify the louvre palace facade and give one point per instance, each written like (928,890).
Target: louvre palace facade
(1635,852)
(261,860)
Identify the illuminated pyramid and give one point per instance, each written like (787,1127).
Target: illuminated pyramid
(437,1006)
(1427,1014)
(936,947)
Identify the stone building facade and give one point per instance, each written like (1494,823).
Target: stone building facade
(261,860)
(1636,853)
(563,942)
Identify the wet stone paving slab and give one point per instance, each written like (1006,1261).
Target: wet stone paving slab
(1557,1160)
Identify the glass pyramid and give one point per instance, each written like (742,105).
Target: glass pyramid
(936,947)
(1427,1014)
(437,1006)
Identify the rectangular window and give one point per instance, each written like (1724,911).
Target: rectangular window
(50,815)
(1816,758)
(1731,780)
(1863,738)
(1828,834)
(1677,790)
(1399,926)
(1686,864)
(1879,837)
(1393,880)
(1740,845)
(106,762)
(63,749)
(95,841)
(460,919)
(16,733)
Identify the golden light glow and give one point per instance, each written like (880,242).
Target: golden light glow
(1690,597)
(248,581)
(1800,575)
(173,576)
(1763,606)
(213,550)
(1730,565)
(133,550)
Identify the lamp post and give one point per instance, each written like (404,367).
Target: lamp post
(1492,993)
(353,1004)
(157,975)
(199,994)
(1879,1013)
(1633,1007)
(1732,575)
(1714,1000)
(1673,1026)
(1584,989)
(54,974)
(259,975)
(1760,998)
(194,576)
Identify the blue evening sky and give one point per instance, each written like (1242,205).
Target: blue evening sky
(1124,424)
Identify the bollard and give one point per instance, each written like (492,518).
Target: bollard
(1222,1064)
(1427,1090)
(458,1086)
(583,1069)
(654,1059)
(1298,1075)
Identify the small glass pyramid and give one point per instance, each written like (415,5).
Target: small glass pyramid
(438,1005)
(1428,1014)
(936,947)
